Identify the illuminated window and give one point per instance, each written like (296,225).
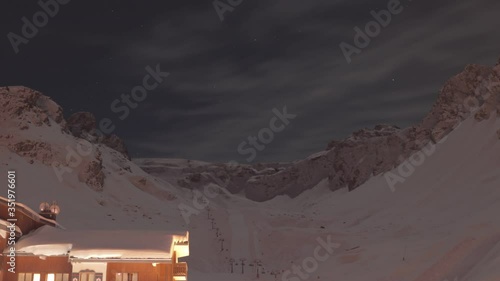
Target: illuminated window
(36,277)
(58,277)
(61,277)
(25,277)
(87,276)
(126,277)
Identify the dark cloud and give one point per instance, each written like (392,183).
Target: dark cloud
(226,77)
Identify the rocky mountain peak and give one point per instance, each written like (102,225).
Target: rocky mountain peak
(28,107)
(84,125)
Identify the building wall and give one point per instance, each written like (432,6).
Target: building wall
(24,221)
(3,245)
(145,271)
(33,264)
(3,241)
(2,268)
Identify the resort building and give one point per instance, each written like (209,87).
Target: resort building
(45,251)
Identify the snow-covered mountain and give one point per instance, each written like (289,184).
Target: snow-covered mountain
(416,204)
(87,179)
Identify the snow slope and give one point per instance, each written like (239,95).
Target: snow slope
(440,224)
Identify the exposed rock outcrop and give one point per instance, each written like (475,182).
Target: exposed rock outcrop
(34,150)
(81,124)
(116,143)
(92,174)
(29,108)
(84,125)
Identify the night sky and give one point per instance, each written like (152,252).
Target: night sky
(226,77)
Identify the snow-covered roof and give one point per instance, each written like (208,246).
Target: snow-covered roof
(4,230)
(100,244)
(30,213)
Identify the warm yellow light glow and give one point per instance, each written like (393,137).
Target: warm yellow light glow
(44,206)
(182,250)
(154,264)
(51,277)
(181,245)
(36,277)
(54,208)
